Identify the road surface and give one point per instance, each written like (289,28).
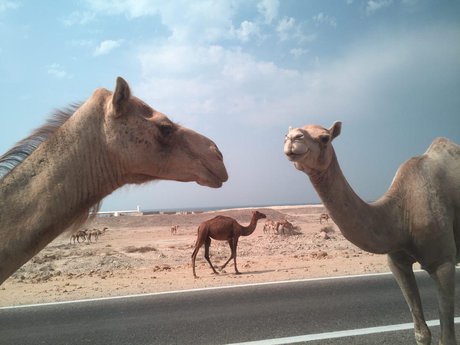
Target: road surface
(309,310)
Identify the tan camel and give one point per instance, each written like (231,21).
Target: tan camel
(174,229)
(76,236)
(96,233)
(222,228)
(284,227)
(270,226)
(325,217)
(416,220)
(54,178)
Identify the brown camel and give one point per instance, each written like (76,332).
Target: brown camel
(416,220)
(324,216)
(222,228)
(75,237)
(54,178)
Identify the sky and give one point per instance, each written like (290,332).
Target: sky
(242,72)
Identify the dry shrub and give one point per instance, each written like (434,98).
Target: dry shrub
(144,249)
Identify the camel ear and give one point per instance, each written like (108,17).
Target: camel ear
(335,129)
(120,96)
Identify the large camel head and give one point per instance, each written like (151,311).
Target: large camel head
(147,145)
(310,147)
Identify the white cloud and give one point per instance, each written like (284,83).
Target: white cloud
(377,5)
(80,18)
(6,5)
(130,8)
(288,29)
(246,30)
(322,18)
(58,71)
(106,47)
(203,21)
(208,81)
(285,28)
(268,9)
(298,52)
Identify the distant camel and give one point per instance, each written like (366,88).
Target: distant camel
(77,235)
(53,179)
(270,226)
(223,228)
(324,216)
(174,229)
(284,227)
(96,233)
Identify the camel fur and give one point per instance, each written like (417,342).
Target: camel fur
(416,220)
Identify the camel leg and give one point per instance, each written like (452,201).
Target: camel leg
(402,271)
(207,244)
(444,276)
(198,244)
(230,243)
(235,245)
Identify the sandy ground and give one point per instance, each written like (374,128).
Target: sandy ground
(138,254)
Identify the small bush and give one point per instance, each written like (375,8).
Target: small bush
(145,249)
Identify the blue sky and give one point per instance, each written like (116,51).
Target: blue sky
(241,72)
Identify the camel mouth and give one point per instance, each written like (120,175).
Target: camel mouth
(213,178)
(294,157)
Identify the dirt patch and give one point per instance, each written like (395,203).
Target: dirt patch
(140,255)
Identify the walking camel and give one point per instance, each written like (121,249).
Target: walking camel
(52,180)
(222,228)
(416,220)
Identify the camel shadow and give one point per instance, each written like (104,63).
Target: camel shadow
(245,272)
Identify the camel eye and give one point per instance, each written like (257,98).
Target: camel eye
(298,137)
(324,138)
(166,129)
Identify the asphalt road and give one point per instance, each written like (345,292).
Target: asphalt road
(229,315)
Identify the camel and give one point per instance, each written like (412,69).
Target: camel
(174,229)
(96,233)
(284,227)
(56,177)
(270,226)
(77,235)
(222,228)
(324,216)
(416,220)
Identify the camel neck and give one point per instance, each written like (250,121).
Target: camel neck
(52,189)
(248,230)
(368,226)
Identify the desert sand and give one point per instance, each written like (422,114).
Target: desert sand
(138,254)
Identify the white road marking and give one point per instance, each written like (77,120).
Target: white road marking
(339,334)
(195,290)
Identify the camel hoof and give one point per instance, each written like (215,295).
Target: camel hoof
(237,273)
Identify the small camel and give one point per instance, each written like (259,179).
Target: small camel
(222,228)
(77,235)
(416,220)
(270,226)
(174,229)
(96,233)
(284,227)
(52,180)
(325,217)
